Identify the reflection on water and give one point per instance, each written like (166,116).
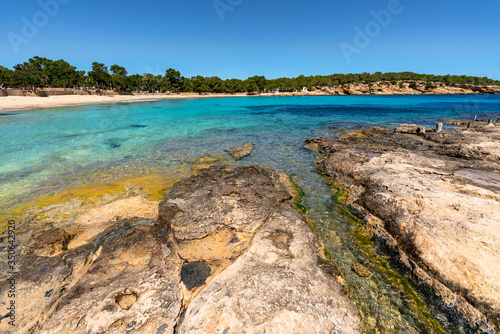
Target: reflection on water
(48,154)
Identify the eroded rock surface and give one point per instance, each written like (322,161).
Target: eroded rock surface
(275,287)
(228,253)
(440,224)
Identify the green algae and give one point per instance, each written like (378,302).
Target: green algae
(363,237)
(348,245)
(299,197)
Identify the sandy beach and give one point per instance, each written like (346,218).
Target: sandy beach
(12,103)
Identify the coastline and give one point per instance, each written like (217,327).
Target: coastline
(20,103)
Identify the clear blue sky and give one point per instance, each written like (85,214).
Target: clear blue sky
(274,38)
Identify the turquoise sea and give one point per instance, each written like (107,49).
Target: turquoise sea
(52,149)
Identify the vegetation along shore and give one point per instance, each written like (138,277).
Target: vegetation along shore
(45,77)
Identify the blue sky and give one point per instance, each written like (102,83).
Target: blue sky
(256,37)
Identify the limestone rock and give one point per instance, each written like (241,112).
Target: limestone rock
(410,128)
(96,220)
(50,242)
(265,290)
(240,199)
(471,145)
(126,280)
(241,152)
(440,222)
(227,251)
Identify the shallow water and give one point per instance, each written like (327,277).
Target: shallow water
(55,149)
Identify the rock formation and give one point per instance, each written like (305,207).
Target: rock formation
(432,201)
(228,253)
(241,152)
(400,88)
(410,128)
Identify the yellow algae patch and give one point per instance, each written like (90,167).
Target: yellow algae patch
(67,203)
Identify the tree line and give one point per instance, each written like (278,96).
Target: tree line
(39,72)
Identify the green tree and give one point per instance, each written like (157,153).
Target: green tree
(233,86)
(62,74)
(6,77)
(31,74)
(118,70)
(149,80)
(173,80)
(200,84)
(100,75)
(118,78)
(134,82)
(40,72)
(187,84)
(255,83)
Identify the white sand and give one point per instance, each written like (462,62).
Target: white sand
(8,103)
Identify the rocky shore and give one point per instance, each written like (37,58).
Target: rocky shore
(431,200)
(388,88)
(226,253)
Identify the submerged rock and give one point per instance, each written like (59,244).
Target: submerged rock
(241,152)
(439,224)
(228,253)
(360,270)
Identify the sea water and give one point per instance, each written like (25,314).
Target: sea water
(52,149)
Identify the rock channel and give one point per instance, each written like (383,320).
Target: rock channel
(433,204)
(228,253)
